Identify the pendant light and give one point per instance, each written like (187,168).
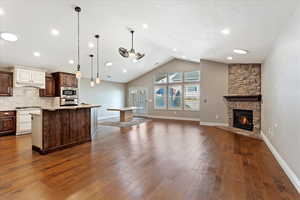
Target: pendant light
(92,71)
(135,56)
(98,77)
(78,72)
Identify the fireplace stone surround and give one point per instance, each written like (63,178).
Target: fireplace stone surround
(244,93)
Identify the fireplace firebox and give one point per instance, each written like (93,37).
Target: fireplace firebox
(243,119)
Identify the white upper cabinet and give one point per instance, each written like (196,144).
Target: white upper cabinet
(29,78)
(38,77)
(23,76)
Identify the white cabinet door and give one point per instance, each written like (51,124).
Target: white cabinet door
(38,77)
(23,76)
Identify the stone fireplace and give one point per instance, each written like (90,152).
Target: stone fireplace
(244,99)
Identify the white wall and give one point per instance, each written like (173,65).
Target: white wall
(107,94)
(281,96)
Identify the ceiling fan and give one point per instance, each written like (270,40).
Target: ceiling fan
(135,56)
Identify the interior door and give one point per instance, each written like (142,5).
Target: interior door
(138,98)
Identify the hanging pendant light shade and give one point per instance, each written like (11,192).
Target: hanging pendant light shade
(92,78)
(135,56)
(78,72)
(98,69)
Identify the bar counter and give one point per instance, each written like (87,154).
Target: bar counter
(62,127)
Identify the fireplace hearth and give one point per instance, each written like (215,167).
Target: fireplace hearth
(243,119)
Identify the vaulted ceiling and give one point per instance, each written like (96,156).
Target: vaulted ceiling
(193,27)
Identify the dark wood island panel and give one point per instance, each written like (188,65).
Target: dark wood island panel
(64,128)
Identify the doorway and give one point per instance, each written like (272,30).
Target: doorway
(138,97)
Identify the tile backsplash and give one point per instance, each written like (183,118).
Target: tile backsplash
(25,96)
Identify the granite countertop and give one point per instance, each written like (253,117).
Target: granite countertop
(20,108)
(71,107)
(5,110)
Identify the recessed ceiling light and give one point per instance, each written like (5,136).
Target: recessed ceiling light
(54,32)
(108,64)
(71,62)
(229,58)
(174,49)
(240,51)
(124,70)
(145,26)
(9,37)
(225,31)
(36,54)
(2,11)
(91,45)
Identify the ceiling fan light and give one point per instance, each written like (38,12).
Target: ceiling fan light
(132,54)
(139,56)
(123,52)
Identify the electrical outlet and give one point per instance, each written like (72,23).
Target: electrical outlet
(276,125)
(217,116)
(175,112)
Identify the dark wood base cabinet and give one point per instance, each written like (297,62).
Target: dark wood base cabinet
(63,128)
(7,123)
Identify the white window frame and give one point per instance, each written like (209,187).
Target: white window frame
(184,96)
(181,97)
(155,75)
(175,82)
(165,97)
(191,81)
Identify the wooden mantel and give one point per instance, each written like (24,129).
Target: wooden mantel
(243,98)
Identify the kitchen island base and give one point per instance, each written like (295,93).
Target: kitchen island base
(54,130)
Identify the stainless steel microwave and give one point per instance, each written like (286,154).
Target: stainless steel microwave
(69,93)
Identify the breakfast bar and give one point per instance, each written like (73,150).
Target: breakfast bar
(61,127)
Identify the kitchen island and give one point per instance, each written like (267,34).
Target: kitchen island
(61,127)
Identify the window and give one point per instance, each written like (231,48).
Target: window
(161,78)
(181,91)
(175,77)
(191,97)
(160,97)
(174,97)
(192,76)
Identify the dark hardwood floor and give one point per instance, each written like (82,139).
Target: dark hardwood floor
(158,160)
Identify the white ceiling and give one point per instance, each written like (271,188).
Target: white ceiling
(191,26)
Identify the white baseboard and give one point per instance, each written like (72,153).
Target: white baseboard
(174,118)
(213,124)
(289,172)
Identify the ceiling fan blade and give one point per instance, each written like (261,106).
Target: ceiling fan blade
(123,52)
(139,56)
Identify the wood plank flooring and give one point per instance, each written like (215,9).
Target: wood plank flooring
(157,160)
